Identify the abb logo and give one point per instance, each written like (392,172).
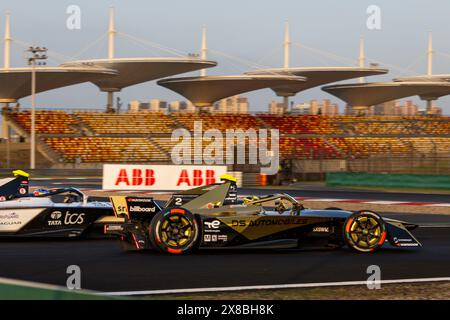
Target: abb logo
(159,177)
(197,178)
(146,177)
(138,177)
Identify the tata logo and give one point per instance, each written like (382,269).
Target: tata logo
(56,215)
(213,224)
(55,218)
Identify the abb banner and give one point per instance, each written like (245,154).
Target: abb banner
(159,177)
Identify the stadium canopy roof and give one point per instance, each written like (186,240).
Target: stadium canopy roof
(15,83)
(316,76)
(369,94)
(204,91)
(133,71)
(425,78)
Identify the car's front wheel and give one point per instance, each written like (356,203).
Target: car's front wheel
(174,230)
(364,231)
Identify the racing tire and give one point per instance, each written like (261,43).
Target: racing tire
(364,231)
(174,230)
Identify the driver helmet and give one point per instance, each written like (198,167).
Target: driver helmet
(40,192)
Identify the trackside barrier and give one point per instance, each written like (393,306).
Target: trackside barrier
(356,179)
(159,177)
(263,179)
(24,290)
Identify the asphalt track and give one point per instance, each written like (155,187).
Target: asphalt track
(104,267)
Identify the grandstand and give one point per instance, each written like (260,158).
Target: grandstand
(128,123)
(92,138)
(105,149)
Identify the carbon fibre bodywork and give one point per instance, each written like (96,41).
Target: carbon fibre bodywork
(220,222)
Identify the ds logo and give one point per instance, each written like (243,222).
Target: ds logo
(213,224)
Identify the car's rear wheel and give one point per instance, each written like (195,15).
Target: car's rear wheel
(174,230)
(364,231)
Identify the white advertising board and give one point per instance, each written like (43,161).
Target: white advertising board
(159,177)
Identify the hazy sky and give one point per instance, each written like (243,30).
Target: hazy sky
(250,30)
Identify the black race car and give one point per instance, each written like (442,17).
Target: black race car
(212,217)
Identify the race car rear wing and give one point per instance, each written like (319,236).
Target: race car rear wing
(14,187)
(216,194)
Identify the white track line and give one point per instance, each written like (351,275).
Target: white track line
(270,287)
(327,200)
(386,202)
(436,225)
(24,283)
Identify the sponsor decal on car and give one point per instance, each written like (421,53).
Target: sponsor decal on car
(215,238)
(69,218)
(266,222)
(407,244)
(7,216)
(10,223)
(142,209)
(321,229)
(55,218)
(74,218)
(56,215)
(139,200)
(211,226)
(215,224)
(9,219)
(113,227)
